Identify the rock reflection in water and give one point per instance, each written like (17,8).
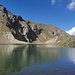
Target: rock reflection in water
(14,57)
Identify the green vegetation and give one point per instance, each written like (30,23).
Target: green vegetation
(4,28)
(31,32)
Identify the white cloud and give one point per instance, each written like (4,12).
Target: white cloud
(71,5)
(53,1)
(72,31)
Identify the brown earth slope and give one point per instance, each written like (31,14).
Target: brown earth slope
(13,29)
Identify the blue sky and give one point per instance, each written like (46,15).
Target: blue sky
(60,13)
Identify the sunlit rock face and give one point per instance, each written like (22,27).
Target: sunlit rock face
(24,30)
(20,29)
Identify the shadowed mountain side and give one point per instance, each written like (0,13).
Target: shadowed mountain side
(48,31)
(13,29)
(17,26)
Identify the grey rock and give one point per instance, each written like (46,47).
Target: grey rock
(27,31)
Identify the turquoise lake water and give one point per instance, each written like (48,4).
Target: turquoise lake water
(20,59)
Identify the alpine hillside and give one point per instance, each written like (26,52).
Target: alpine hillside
(14,29)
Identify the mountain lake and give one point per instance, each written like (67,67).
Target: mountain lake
(31,59)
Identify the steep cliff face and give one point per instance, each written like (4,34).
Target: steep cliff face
(14,29)
(19,28)
(47,32)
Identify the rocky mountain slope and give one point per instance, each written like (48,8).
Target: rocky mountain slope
(14,29)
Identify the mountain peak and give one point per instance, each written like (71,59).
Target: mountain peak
(1,5)
(2,8)
(28,31)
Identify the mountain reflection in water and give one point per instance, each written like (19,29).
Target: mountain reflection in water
(15,58)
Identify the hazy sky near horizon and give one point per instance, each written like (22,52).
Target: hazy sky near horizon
(60,13)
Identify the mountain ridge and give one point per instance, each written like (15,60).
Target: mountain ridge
(14,29)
